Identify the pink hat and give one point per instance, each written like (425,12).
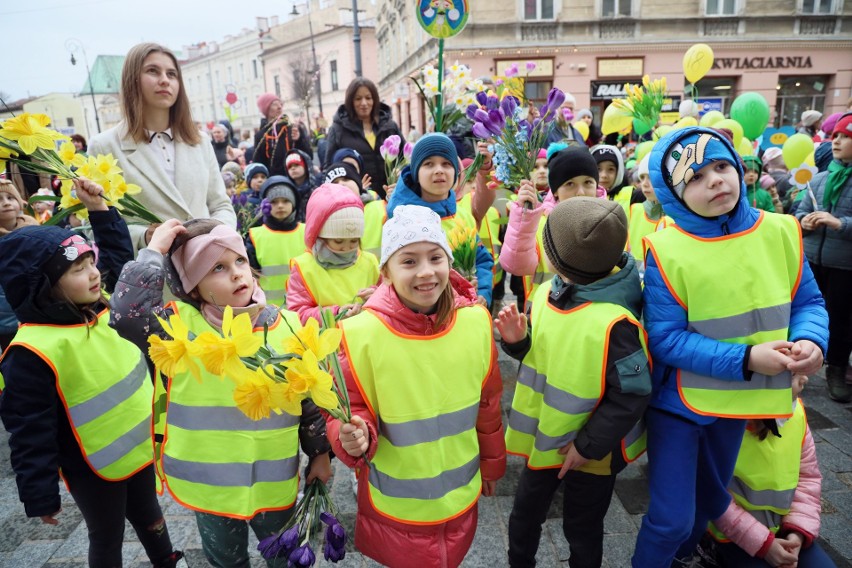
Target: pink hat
(325,200)
(767,181)
(542,154)
(264,101)
(200,254)
(829,123)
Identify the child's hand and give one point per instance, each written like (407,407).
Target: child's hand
(366,181)
(320,468)
(527,194)
(389,190)
(365,293)
(819,219)
(90,194)
(573,459)
(50,519)
(511,324)
(488,487)
(806,356)
(349,310)
(487,163)
(354,437)
(781,553)
(164,235)
(482,301)
(767,358)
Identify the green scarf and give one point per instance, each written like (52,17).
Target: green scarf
(838,174)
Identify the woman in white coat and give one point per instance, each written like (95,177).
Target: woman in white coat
(158,146)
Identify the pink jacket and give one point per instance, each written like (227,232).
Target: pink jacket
(753,537)
(399,544)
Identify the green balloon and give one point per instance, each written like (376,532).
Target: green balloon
(710,118)
(752,112)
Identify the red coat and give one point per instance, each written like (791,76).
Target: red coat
(399,544)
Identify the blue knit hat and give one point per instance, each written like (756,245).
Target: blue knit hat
(253,169)
(434,144)
(344,153)
(692,152)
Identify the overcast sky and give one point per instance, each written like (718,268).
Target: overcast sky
(36,60)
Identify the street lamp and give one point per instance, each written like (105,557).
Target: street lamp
(316,69)
(73,45)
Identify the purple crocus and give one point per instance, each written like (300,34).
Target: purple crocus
(512,70)
(243,198)
(481,131)
(265,207)
(302,557)
(471,110)
(508,105)
(530,66)
(335,538)
(498,121)
(333,554)
(525,127)
(390,148)
(482,97)
(555,98)
(407,150)
(279,544)
(492,103)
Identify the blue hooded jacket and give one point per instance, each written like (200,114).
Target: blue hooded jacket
(672,345)
(404,194)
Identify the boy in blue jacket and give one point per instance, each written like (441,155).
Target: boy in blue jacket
(731,311)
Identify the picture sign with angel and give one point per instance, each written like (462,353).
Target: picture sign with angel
(442,18)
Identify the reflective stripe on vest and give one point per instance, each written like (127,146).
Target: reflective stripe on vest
(764,265)
(108,405)
(558,388)
(274,251)
(215,458)
(426,466)
(336,287)
(375,215)
(542,272)
(766,474)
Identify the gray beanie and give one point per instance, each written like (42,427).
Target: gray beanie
(584,238)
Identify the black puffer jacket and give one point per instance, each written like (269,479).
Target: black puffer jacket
(40,436)
(347,132)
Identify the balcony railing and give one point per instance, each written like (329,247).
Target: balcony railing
(617,29)
(721,27)
(817,26)
(544,31)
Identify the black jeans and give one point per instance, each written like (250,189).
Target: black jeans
(836,287)
(586,502)
(105,505)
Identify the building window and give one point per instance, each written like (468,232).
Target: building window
(537,91)
(796,94)
(254,67)
(538,9)
(716,93)
(69,122)
(277,81)
(230,75)
(721,8)
(242,73)
(616,8)
(817,6)
(333,65)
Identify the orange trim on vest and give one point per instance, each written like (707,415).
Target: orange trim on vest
(801,262)
(357,380)
(294,266)
(649,244)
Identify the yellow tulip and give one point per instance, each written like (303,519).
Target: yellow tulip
(305,376)
(646,81)
(309,338)
(30,132)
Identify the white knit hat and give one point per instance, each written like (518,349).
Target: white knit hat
(645,165)
(412,224)
(810,117)
(346,223)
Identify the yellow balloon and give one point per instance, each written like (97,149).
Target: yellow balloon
(796,150)
(810,160)
(734,127)
(582,128)
(745,148)
(684,122)
(662,131)
(697,61)
(616,120)
(642,149)
(711,117)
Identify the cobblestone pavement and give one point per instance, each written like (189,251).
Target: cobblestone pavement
(28,543)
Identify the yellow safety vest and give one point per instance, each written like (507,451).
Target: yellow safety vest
(542,272)
(215,458)
(558,389)
(640,226)
(623,198)
(425,398)
(760,269)
(103,382)
(375,215)
(274,250)
(489,230)
(767,473)
(336,287)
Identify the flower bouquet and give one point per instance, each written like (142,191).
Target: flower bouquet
(447,97)
(640,110)
(463,242)
(394,163)
(248,214)
(29,135)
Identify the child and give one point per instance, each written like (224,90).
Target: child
(11,218)
(256,175)
(333,272)
(826,219)
(419,408)
(375,209)
(757,196)
(43,210)
(572,172)
(726,295)
(280,239)
(231,470)
(646,217)
(573,406)
(300,171)
(230,184)
(773,518)
(428,181)
(77,397)
(611,174)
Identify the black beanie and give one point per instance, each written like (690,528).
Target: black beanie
(342,170)
(569,163)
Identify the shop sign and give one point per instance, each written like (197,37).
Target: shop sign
(797,62)
(708,104)
(606,91)
(622,67)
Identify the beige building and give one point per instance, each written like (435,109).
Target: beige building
(65,112)
(796,53)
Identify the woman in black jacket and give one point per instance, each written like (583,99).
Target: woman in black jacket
(363,124)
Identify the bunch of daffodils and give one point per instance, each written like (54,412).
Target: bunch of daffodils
(463,242)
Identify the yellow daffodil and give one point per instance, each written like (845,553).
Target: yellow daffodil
(283,397)
(220,354)
(305,376)
(103,167)
(5,154)
(253,395)
(69,156)
(69,198)
(30,132)
(239,330)
(309,338)
(175,355)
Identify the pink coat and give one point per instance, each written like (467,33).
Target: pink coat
(753,537)
(399,544)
